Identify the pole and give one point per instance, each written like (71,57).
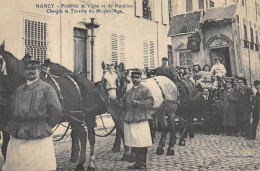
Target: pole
(92,55)
(249,58)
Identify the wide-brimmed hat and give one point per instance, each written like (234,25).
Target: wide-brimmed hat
(164,59)
(136,74)
(256,82)
(29,62)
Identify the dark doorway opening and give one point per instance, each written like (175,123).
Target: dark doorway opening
(80,62)
(224,54)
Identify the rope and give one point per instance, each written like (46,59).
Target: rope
(63,134)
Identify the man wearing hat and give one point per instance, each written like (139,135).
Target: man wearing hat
(166,71)
(244,107)
(256,110)
(36,109)
(139,102)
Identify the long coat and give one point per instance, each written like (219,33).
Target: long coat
(136,126)
(229,108)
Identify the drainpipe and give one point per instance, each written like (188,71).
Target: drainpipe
(60,37)
(249,58)
(157,42)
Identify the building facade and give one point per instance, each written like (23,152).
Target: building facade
(130,31)
(230,31)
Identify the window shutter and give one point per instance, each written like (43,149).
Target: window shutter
(165,12)
(114,47)
(118,49)
(138,8)
(146,53)
(157,10)
(152,64)
(35,37)
(122,52)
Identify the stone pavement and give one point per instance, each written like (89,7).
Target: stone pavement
(204,152)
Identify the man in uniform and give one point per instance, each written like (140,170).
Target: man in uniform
(166,71)
(256,110)
(244,107)
(36,109)
(138,103)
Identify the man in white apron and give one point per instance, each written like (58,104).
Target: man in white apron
(36,109)
(139,101)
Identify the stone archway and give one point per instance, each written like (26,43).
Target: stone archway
(218,41)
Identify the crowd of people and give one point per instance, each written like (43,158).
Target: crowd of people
(226,101)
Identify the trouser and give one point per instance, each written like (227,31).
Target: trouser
(244,123)
(255,116)
(140,155)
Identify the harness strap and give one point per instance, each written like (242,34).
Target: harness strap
(163,95)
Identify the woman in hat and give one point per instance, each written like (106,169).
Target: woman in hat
(181,71)
(206,79)
(218,70)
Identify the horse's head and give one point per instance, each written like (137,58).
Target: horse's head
(12,74)
(54,68)
(114,80)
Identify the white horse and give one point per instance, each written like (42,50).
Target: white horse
(165,94)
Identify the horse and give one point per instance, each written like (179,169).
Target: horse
(165,94)
(79,97)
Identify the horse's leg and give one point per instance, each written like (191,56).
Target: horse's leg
(75,144)
(91,138)
(6,138)
(162,122)
(83,144)
(171,116)
(116,145)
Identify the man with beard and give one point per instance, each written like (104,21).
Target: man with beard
(36,109)
(139,102)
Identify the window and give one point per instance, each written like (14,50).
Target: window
(148,47)
(118,50)
(201,4)
(243,2)
(211,4)
(147,13)
(245,37)
(35,37)
(188,5)
(170,59)
(170,10)
(252,39)
(186,59)
(256,41)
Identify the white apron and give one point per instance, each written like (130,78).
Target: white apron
(30,155)
(137,134)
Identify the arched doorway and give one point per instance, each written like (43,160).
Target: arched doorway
(220,46)
(81,59)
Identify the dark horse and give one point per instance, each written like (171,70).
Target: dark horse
(80,99)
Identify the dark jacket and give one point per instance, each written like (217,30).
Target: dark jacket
(142,109)
(35,110)
(244,95)
(229,108)
(257,103)
(203,105)
(167,71)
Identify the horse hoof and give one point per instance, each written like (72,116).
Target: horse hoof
(91,168)
(191,135)
(170,153)
(74,159)
(116,149)
(125,157)
(79,168)
(182,143)
(160,151)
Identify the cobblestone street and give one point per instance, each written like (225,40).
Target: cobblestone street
(204,152)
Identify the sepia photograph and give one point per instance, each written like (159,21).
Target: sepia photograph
(114,85)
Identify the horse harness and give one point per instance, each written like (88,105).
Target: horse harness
(164,99)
